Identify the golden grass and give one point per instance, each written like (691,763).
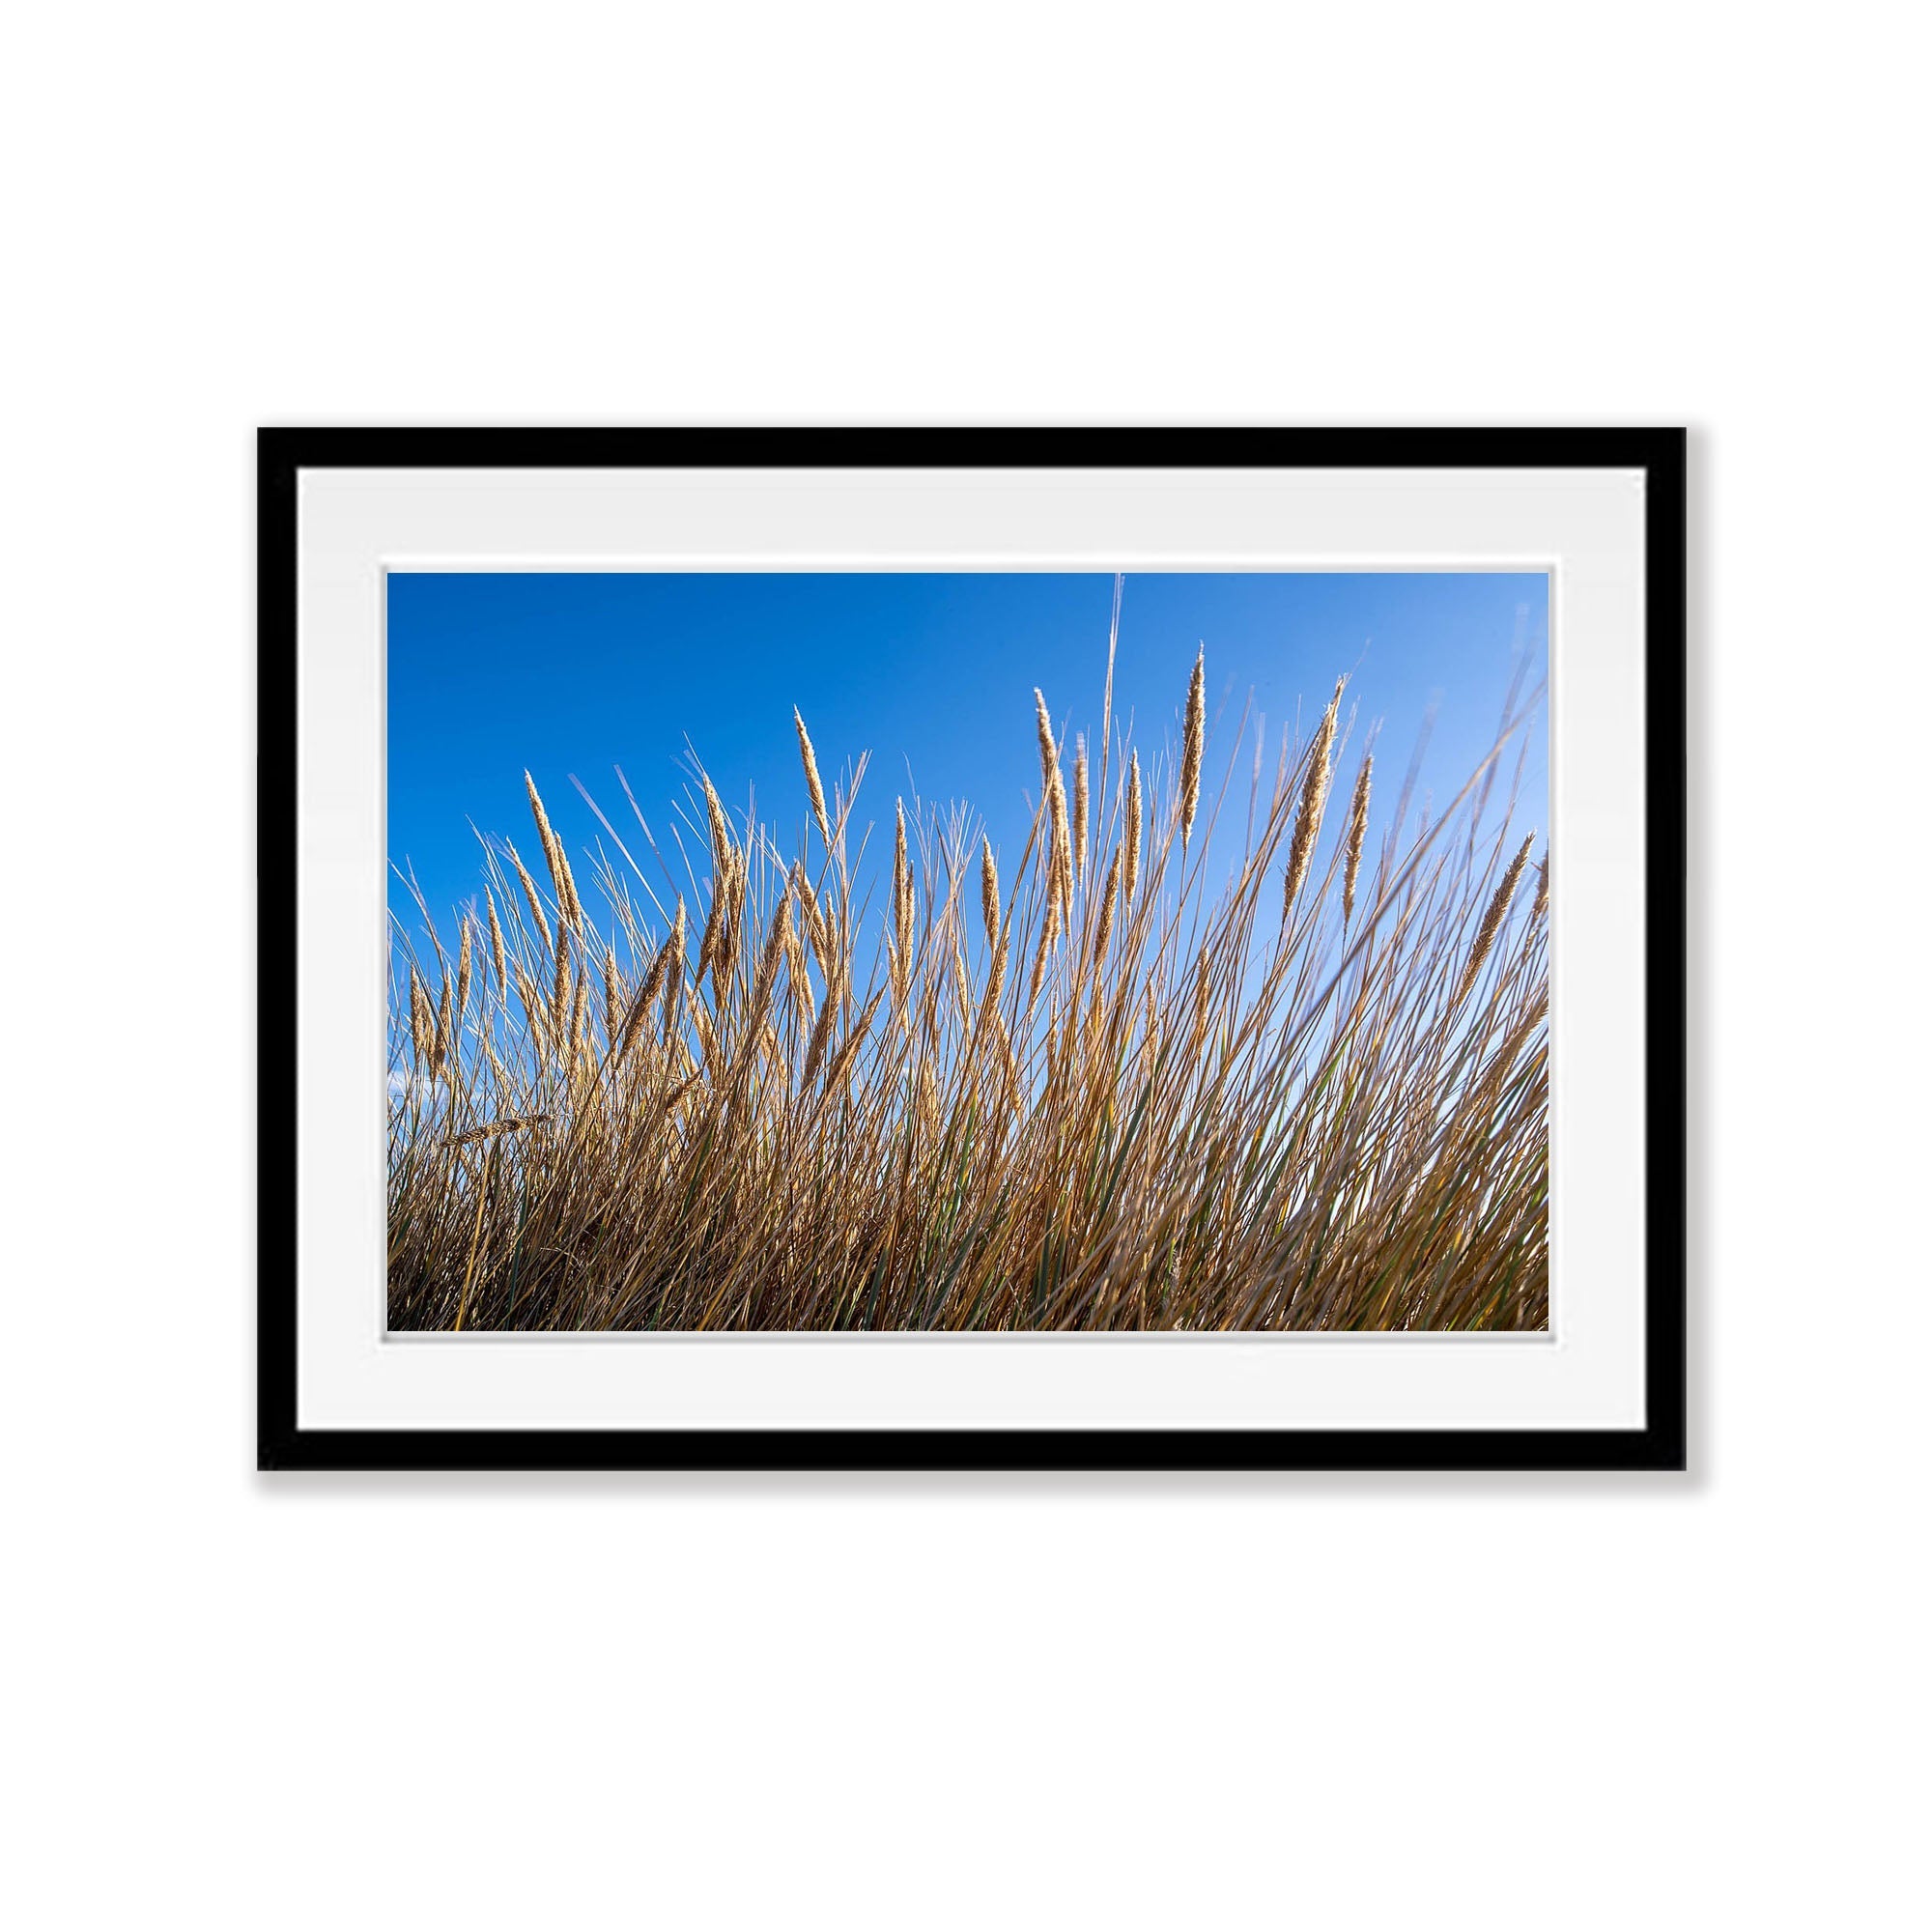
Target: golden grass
(813,790)
(496,945)
(1194,740)
(1189,1115)
(1492,918)
(1317,769)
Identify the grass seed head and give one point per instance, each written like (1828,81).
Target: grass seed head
(529,885)
(996,980)
(579,1010)
(1314,800)
(496,956)
(1080,808)
(1492,918)
(816,930)
(1059,861)
(773,952)
(559,997)
(990,891)
(900,955)
(422,1025)
(640,1003)
(671,959)
(568,907)
(1193,743)
(715,917)
(813,789)
(734,909)
(1358,832)
(723,850)
(1049,755)
(1108,895)
(1040,959)
(445,1029)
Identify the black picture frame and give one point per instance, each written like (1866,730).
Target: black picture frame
(1660,1444)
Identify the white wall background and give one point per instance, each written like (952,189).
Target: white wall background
(238,1703)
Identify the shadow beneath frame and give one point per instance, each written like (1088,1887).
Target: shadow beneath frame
(1699,956)
(1005,1486)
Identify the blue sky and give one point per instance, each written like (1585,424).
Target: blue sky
(575,673)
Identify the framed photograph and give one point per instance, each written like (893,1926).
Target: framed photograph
(971,949)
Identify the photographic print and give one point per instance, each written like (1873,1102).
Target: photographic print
(979,951)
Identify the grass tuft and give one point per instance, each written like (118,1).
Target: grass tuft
(1189,1116)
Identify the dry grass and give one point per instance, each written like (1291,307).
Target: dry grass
(1184,1114)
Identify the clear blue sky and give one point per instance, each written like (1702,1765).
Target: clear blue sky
(933,674)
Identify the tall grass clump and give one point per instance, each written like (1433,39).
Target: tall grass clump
(1099,1084)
